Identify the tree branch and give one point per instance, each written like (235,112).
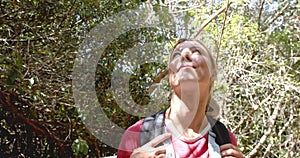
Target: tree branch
(212,17)
(269,22)
(260,13)
(6,99)
(272,121)
(222,31)
(255,108)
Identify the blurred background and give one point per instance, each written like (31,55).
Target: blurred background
(257,50)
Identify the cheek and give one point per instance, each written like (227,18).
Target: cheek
(200,60)
(175,64)
(203,64)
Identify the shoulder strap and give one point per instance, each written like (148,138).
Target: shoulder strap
(222,136)
(152,127)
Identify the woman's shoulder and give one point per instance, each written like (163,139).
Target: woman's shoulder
(232,138)
(136,127)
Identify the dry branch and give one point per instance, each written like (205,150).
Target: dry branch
(212,17)
(222,30)
(272,121)
(260,12)
(247,118)
(7,99)
(270,21)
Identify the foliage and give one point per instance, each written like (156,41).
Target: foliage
(39,40)
(259,51)
(258,59)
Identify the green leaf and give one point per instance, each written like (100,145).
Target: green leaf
(80,146)
(83,148)
(12,76)
(2,59)
(19,62)
(75,147)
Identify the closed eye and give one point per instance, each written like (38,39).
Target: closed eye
(196,50)
(176,54)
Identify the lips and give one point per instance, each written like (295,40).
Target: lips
(177,64)
(186,66)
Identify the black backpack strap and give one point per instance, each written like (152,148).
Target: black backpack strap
(152,127)
(222,136)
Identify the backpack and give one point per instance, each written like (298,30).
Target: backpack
(153,126)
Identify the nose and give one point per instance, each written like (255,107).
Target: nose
(186,54)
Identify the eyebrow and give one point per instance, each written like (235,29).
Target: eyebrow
(196,49)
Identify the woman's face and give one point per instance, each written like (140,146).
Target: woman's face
(190,61)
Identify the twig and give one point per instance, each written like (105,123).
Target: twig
(287,124)
(244,120)
(13,40)
(291,150)
(267,152)
(97,148)
(223,28)
(272,121)
(156,80)
(93,141)
(212,17)
(184,10)
(7,14)
(278,15)
(260,13)
(70,129)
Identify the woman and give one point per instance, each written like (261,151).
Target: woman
(188,133)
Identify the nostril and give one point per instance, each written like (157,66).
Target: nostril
(186,55)
(188,58)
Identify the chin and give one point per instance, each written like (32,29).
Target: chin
(187,74)
(189,78)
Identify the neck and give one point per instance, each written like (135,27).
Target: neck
(188,113)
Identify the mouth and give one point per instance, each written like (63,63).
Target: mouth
(186,67)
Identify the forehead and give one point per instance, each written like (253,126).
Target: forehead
(191,45)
